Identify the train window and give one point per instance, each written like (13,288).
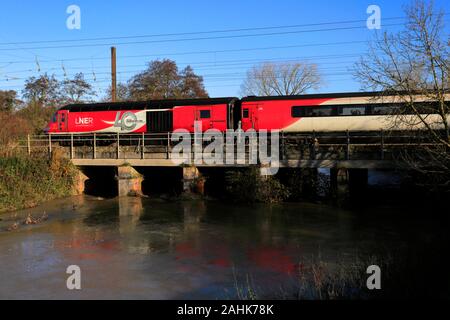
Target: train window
(352,110)
(426,107)
(313,111)
(245,113)
(205,114)
(384,109)
(297,112)
(328,111)
(398,108)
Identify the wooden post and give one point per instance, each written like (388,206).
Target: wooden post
(313,150)
(71,146)
(49,145)
(28,145)
(382,144)
(347,155)
(142,145)
(95,146)
(118,145)
(113,75)
(168,145)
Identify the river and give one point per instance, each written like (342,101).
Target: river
(143,248)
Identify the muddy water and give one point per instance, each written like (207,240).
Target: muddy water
(154,249)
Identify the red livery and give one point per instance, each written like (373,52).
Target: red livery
(359,111)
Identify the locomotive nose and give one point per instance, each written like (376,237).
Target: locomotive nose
(50,128)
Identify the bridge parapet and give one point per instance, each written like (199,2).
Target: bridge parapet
(327,150)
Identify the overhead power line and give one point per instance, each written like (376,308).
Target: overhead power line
(199,65)
(106,82)
(216,66)
(194,52)
(197,32)
(195,39)
(213,76)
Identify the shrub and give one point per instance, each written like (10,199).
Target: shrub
(25,182)
(249,186)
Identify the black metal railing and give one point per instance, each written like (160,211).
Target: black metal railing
(302,146)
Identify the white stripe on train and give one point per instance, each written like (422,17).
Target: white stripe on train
(363,123)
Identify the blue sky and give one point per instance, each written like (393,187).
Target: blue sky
(223,72)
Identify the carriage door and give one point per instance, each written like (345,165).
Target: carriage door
(204,114)
(62,120)
(249,116)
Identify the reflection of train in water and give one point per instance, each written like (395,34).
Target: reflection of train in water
(306,113)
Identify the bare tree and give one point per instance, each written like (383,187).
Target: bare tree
(285,78)
(191,85)
(122,93)
(413,65)
(77,89)
(162,80)
(43,91)
(8,100)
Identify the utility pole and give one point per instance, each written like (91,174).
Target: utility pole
(113,75)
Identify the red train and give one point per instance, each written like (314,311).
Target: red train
(359,111)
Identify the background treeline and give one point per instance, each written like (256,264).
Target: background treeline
(40,97)
(28,111)
(27,181)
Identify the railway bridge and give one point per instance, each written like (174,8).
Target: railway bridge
(348,155)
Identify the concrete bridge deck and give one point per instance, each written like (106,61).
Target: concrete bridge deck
(306,150)
(348,164)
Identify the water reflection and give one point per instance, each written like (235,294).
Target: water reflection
(152,249)
(130,211)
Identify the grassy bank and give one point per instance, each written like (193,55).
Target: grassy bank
(26,182)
